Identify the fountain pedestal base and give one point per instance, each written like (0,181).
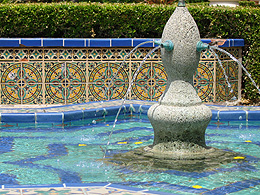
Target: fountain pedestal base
(174,123)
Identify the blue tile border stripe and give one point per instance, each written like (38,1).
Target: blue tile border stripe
(76,42)
(67,113)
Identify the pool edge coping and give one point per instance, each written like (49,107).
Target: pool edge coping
(76,112)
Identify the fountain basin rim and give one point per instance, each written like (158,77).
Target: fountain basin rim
(74,112)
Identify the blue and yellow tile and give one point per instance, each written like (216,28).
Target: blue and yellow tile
(51,54)
(6,54)
(65,54)
(94,54)
(36,54)
(79,54)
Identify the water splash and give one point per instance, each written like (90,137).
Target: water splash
(239,63)
(124,99)
(220,64)
(122,63)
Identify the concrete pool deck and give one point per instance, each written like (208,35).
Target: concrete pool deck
(34,112)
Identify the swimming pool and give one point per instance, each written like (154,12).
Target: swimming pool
(71,153)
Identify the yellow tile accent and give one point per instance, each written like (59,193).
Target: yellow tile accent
(239,157)
(82,144)
(197,186)
(121,142)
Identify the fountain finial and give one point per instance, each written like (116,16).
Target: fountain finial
(181,3)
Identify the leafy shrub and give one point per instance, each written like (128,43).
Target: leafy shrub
(134,20)
(247,3)
(103,1)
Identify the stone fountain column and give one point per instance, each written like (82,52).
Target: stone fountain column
(179,119)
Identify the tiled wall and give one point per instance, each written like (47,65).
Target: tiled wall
(65,75)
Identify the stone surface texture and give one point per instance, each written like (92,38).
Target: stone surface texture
(179,115)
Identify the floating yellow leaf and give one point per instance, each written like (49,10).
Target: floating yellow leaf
(121,142)
(107,124)
(138,142)
(83,108)
(82,144)
(248,141)
(239,157)
(197,186)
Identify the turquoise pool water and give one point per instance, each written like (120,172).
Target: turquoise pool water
(71,153)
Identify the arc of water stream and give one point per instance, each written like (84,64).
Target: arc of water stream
(122,63)
(124,99)
(239,63)
(220,63)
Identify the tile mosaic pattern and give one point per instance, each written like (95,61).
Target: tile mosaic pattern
(79,75)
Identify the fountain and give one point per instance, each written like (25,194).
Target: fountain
(179,119)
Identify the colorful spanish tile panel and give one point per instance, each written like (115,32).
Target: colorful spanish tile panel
(79,75)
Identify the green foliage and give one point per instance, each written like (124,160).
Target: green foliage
(82,20)
(247,3)
(134,20)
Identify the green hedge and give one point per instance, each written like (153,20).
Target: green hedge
(82,20)
(134,20)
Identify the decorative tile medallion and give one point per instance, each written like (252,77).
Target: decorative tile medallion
(21,83)
(150,81)
(65,82)
(108,81)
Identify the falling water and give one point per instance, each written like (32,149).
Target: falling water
(127,92)
(125,58)
(233,58)
(224,72)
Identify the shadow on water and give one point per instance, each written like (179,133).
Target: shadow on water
(140,160)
